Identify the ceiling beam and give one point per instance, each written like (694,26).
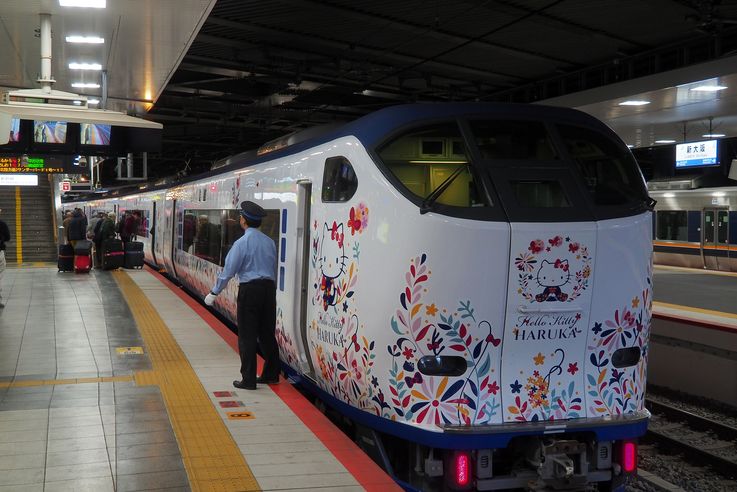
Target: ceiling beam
(348,50)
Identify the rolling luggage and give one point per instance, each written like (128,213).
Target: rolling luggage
(112,254)
(133,255)
(65,261)
(83,256)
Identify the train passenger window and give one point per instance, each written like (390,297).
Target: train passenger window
(539,193)
(143,222)
(608,170)
(201,234)
(432,160)
(501,140)
(232,231)
(339,181)
(671,225)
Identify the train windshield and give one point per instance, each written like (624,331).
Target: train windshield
(431,163)
(609,171)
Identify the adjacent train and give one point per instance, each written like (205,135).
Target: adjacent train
(469,284)
(696,228)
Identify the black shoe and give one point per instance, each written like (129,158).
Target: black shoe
(243,386)
(262,380)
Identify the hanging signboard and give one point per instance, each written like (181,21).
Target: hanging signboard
(65,186)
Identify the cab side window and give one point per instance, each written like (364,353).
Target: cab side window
(433,159)
(339,181)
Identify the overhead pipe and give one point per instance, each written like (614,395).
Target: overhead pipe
(45,78)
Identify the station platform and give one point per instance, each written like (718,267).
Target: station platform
(704,297)
(119,381)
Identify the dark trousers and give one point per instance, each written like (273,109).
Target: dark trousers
(257,326)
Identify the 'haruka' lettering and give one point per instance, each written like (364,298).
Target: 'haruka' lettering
(329,331)
(546,333)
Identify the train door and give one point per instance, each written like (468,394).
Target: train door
(304,202)
(715,238)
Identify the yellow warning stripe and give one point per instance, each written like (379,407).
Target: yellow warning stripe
(210,455)
(721,314)
(47,382)
(18,232)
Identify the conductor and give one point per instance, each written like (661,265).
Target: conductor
(253,259)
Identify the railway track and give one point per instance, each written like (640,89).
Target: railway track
(701,441)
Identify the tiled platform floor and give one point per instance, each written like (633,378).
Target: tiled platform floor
(73,418)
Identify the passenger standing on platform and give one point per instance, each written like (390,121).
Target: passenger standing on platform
(253,259)
(65,223)
(4,238)
(105,232)
(129,228)
(77,228)
(91,227)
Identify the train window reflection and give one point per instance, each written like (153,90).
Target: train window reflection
(537,193)
(431,157)
(339,181)
(512,140)
(672,225)
(608,170)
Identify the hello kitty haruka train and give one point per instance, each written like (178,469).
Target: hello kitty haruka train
(469,284)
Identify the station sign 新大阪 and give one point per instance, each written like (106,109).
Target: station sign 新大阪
(29,164)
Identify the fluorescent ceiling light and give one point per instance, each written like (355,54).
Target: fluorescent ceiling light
(85,39)
(669,195)
(94,4)
(85,66)
(718,193)
(709,88)
(634,103)
(665,141)
(713,135)
(77,103)
(93,101)
(630,146)
(85,85)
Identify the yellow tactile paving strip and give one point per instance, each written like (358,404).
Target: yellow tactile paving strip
(210,455)
(46,382)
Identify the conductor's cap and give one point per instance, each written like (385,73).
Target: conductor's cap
(252,211)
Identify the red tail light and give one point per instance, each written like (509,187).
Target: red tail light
(629,456)
(462,468)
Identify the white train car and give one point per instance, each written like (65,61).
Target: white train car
(470,284)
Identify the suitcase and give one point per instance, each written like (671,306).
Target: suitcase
(65,261)
(83,247)
(133,259)
(134,246)
(112,254)
(82,263)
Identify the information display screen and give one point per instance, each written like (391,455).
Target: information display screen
(32,165)
(52,132)
(697,154)
(94,134)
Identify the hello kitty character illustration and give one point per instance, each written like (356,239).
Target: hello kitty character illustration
(332,262)
(552,276)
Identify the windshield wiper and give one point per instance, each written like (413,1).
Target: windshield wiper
(430,199)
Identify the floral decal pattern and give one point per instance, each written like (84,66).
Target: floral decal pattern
(615,391)
(342,355)
(423,329)
(539,395)
(555,256)
(287,348)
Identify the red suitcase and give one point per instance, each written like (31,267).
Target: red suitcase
(83,257)
(82,263)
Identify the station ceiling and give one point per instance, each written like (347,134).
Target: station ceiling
(228,75)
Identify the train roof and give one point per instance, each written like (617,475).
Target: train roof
(373,128)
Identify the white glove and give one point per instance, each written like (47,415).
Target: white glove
(210,298)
